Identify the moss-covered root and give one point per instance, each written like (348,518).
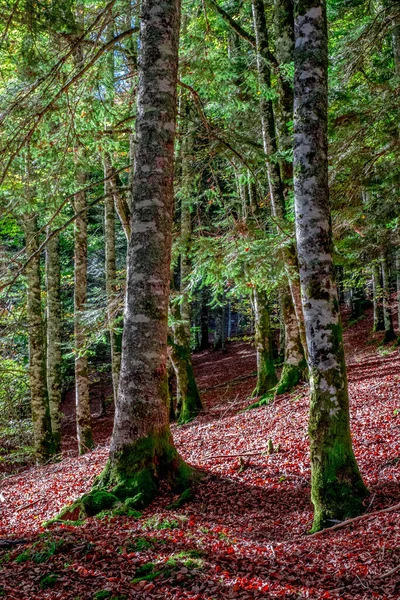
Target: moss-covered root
(337,492)
(266,376)
(291,375)
(134,472)
(263,401)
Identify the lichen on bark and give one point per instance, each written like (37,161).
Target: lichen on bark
(142,450)
(338,490)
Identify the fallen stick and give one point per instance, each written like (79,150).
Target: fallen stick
(355,519)
(391,572)
(237,455)
(29,504)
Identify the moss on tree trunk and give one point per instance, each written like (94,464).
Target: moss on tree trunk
(142,450)
(266,374)
(337,489)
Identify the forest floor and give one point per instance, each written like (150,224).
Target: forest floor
(244,533)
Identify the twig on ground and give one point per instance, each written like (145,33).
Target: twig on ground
(258,453)
(356,519)
(29,504)
(391,572)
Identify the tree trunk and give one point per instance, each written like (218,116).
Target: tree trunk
(142,450)
(54,336)
(83,414)
(188,398)
(111,276)
(288,255)
(43,439)
(337,489)
(82,397)
(188,394)
(266,375)
(377,299)
(295,364)
(204,320)
(390,335)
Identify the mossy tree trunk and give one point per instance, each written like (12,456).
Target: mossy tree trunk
(390,335)
(337,489)
(142,450)
(377,299)
(276,185)
(53,283)
(82,397)
(189,401)
(295,364)
(111,274)
(266,375)
(43,438)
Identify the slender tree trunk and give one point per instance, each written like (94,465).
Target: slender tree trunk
(142,450)
(284,48)
(204,320)
(189,398)
(390,335)
(54,336)
(288,256)
(295,364)
(83,414)
(266,375)
(82,397)
(111,275)
(43,439)
(337,489)
(377,299)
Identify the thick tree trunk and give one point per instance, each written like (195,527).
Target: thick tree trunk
(337,489)
(288,255)
(83,414)
(111,276)
(43,439)
(142,450)
(390,335)
(54,336)
(266,375)
(379,324)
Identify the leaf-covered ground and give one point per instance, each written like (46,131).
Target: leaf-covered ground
(244,533)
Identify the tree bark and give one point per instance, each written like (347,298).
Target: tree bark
(188,401)
(288,255)
(82,397)
(43,439)
(142,450)
(337,489)
(53,282)
(390,335)
(83,414)
(266,375)
(377,299)
(111,275)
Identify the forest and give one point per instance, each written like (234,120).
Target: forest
(199,299)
